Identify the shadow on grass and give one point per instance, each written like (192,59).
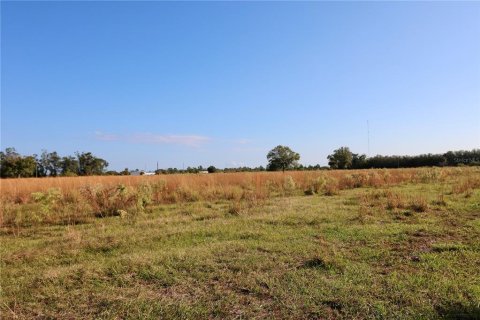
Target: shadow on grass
(459,311)
(315,263)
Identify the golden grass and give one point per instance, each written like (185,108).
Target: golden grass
(65,200)
(20,190)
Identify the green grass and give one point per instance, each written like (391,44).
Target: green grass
(298,257)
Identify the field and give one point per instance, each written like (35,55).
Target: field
(366,244)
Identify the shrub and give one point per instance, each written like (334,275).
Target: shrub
(48,200)
(288,185)
(144,196)
(109,200)
(318,184)
(395,201)
(418,204)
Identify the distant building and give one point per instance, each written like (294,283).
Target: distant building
(141,173)
(203,171)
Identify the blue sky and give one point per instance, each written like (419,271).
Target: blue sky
(221,83)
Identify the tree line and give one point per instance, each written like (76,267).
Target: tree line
(343,158)
(283,158)
(14,165)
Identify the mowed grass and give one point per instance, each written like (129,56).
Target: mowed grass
(402,251)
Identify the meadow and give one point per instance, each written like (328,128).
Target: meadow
(336,244)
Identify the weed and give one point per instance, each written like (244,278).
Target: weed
(418,204)
(395,201)
(235,208)
(107,201)
(289,185)
(47,200)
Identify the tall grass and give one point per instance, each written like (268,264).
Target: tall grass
(76,199)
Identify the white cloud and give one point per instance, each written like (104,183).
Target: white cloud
(150,138)
(105,136)
(242,141)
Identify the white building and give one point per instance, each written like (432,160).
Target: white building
(141,173)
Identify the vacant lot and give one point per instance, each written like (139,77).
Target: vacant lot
(397,244)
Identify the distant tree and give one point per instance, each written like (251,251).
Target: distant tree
(13,165)
(69,166)
(9,163)
(211,169)
(49,164)
(282,158)
(359,161)
(54,165)
(192,170)
(42,164)
(125,172)
(341,158)
(26,166)
(90,165)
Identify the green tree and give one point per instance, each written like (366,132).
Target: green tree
(69,166)
(211,169)
(282,158)
(8,163)
(341,158)
(26,167)
(13,165)
(359,161)
(49,164)
(89,165)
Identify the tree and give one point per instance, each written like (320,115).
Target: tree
(282,158)
(49,164)
(13,165)
(69,166)
(341,158)
(211,169)
(8,163)
(26,166)
(359,161)
(90,165)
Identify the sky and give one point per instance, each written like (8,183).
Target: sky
(222,83)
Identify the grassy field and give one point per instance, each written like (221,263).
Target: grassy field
(384,244)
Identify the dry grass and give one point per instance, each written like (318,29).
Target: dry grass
(466,185)
(70,200)
(393,244)
(20,190)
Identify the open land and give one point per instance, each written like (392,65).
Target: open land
(339,244)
